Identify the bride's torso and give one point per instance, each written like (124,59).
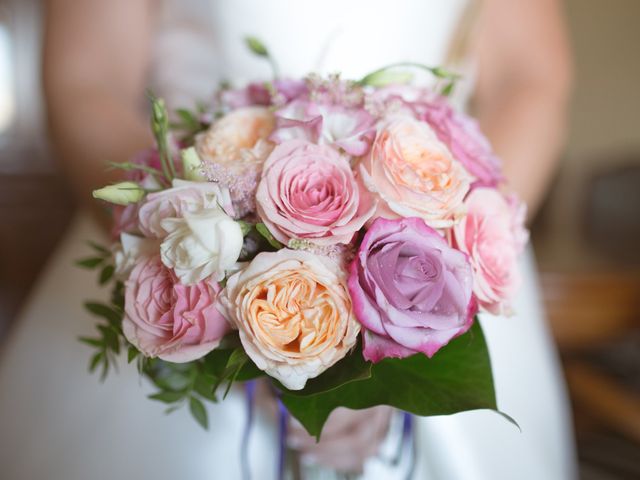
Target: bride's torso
(199,43)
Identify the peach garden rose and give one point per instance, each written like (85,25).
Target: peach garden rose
(293,314)
(414,174)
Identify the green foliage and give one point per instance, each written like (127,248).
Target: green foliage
(189,123)
(160,129)
(456,379)
(196,407)
(197,381)
(108,342)
(101,256)
(264,231)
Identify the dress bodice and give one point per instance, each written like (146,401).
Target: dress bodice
(200,42)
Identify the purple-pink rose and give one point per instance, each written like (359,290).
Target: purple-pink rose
(165,319)
(309,192)
(410,290)
(465,141)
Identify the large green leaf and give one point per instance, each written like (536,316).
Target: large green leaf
(352,368)
(458,378)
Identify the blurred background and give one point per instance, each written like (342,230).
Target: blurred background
(586,237)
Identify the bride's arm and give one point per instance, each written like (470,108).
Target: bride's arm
(95,63)
(523,89)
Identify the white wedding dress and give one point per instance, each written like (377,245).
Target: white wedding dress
(59,423)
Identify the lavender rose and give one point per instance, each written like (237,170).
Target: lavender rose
(410,290)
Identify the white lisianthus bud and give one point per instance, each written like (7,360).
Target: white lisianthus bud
(122,193)
(192,165)
(127,252)
(200,245)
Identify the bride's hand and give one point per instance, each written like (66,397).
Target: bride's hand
(349,437)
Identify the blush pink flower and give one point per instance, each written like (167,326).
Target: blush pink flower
(165,319)
(309,192)
(493,235)
(410,290)
(414,174)
(349,128)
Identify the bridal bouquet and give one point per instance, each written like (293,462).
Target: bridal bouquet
(336,237)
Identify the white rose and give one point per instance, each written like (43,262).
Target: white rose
(200,245)
(182,198)
(127,252)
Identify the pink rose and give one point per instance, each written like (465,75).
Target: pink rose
(165,319)
(465,140)
(414,174)
(309,192)
(410,290)
(184,197)
(493,236)
(350,128)
(284,90)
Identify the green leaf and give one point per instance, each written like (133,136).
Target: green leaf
(110,337)
(90,263)
(256,46)
(448,88)
(264,231)
(199,412)
(106,274)
(167,396)
(189,120)
(203,386)
(132,353)
(95,360)
(104,251)
(249,371)
(458,378)
(105,311)
(246,227)
(352,368)
(171,409)
(93,342)
(160,129)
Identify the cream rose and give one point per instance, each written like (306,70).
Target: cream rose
(201,245)
(293,313)
(414,174)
